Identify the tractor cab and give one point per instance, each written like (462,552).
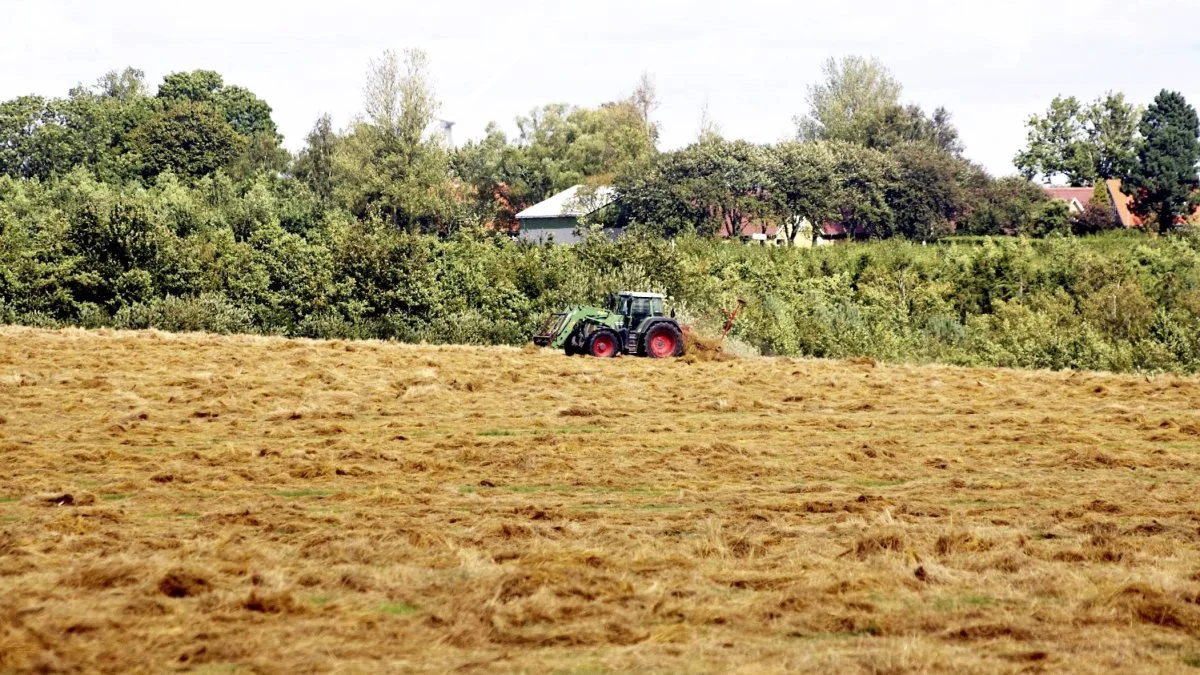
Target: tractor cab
(637,307)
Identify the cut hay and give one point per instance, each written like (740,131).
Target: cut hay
(197,502)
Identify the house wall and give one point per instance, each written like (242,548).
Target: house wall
(558,230)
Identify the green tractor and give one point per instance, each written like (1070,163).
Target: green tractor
(634,325)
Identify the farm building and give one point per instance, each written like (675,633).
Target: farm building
(557,218)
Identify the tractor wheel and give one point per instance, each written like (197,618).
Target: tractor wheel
(603,344)
(663,340)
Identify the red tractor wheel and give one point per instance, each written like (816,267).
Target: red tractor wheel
(663,340)
(602,344)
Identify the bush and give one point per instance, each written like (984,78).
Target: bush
(207,313)
(211,255)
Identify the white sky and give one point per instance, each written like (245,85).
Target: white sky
(991,63)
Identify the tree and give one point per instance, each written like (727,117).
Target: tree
(314,164)
(943,132)
(387,165)
(1056,145)
(712,188)
(1112,126)
(21,119)
(43,138)
(485,166)
(189,139)
(854,95)
(645,100)
(559,146)
(1165,175)
(197,86)
(865,178)
(801,185)
(1080,143)
(1000,206)
(709,129)
(126,85)
(247,114)
(928,194)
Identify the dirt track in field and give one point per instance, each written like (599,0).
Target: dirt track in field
(256,504)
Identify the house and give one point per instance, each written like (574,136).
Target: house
(557,219)
(1078,198)
(755,231)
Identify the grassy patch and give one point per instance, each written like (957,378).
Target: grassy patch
(320,600)
(398,608)
(871,483)
(1192,660)
(7,500)
(115,497)
(182,515)
(959,602)
(302,493)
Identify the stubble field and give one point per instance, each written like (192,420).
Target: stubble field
(226,504)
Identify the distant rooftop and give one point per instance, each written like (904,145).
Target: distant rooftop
(570,203)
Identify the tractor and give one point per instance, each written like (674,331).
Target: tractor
(635,324)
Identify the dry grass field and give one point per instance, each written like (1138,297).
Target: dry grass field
(241,504)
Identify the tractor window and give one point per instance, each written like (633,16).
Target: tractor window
(656,307)
(641,306)
(623,305)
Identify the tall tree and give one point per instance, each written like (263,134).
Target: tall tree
(197,86)
(559,146)
(21,153)
(1112,127)
(314,164)
(1080,142)
(712,188)
(187,138)
(645,100)
(1165,176)
(801,185)
(709,129)
(247,114)
(866,177)
(1056,145)
(854,94)
(125,85)
(387,165)
(900,125)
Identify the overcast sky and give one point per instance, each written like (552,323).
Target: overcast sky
(991,63)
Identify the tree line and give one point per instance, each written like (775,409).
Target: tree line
(179,208)
(862,157)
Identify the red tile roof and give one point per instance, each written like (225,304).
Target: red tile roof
(1083,194)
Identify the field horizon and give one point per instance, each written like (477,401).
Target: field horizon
(224,504)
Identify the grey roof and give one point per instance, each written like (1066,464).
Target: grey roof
(569,203)
(639,294)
